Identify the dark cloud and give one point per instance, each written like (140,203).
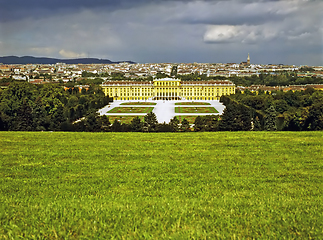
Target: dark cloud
(164,31)
(17,9)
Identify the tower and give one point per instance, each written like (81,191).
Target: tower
(248,59)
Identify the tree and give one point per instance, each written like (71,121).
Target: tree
(57,118)
(185,127)
(174,124)
(24,119)
(164,127)
(136,124)
(93,123)
(150,122)
(106,124)
(116,126)
(271,119)
(39,115)
(2,124)
(256,124)
(315,117)
(235,117)
(280,105)
(199,124)
(211,123)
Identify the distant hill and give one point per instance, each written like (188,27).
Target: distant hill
(44,60)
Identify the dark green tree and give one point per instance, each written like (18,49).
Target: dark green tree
(39,115)
(199,124)
(235,117)
(185,126)
(256,124)
(24,119)
(174,124)
(150,122)
(92,122)
(106,124)
(270,119)
(315,117)
(164,127)
(57,118)
(116,126)
(211,123)
(281,105)
(136,124)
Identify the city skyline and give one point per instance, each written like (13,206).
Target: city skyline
(287,32)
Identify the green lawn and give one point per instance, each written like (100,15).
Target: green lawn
(124,119)
(138,103)
(131,110)
(192,103)
(222,185)
(195,110)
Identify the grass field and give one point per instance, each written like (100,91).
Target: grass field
(192,103)
(138,103)
(195,110)
(227,185)
(124,119)
(131,110)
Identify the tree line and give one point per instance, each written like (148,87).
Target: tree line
(46,107)
(286,111)
(96,123)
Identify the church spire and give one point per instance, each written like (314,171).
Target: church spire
(248,59)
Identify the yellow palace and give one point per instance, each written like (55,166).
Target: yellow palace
(168,89)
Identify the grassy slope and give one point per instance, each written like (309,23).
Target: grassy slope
(135,185)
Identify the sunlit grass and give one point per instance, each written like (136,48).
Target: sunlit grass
(241,185)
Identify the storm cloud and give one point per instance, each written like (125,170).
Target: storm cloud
(288,32)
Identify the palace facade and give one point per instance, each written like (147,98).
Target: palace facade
(168,89)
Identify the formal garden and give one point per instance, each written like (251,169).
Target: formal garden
(138,103)
(131,110)
(126,119)
(195,110)
(192,103)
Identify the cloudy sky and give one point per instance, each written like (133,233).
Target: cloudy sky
(272,31)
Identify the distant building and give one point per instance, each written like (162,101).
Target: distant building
(247,63)
(168,89)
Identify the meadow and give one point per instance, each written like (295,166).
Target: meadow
(227,185)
